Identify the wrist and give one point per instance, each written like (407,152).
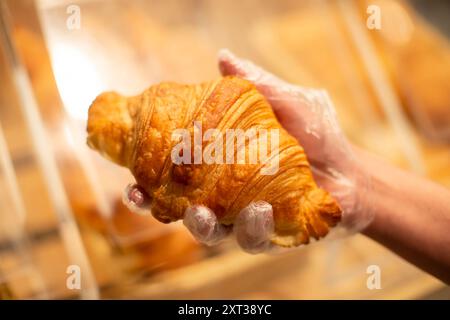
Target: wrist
(358,210)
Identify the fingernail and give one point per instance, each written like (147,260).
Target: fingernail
(136,199)
(136,196)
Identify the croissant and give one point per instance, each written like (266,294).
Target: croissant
(137,132)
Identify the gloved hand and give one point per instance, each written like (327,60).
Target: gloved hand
(309,116)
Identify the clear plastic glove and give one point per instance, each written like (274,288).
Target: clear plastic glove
(309,116)
(253,225)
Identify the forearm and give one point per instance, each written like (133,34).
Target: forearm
(411,216)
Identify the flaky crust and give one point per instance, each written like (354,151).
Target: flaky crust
(136,132)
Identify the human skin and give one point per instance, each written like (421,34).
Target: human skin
(411,215)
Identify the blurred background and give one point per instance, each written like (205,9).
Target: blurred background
(60,203)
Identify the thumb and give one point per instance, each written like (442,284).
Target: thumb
(291,104)
(276,90)
(267,83)
(288,101)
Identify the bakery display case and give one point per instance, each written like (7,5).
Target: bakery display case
(61,203)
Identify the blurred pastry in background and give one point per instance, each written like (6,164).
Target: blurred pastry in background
(138,242)
(5,292)
(158,47)
(156,247)
(417,58)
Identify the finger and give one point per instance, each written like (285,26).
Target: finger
(136,199)
(254,227)
(204,226)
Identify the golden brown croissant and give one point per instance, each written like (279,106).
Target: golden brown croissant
(136,132)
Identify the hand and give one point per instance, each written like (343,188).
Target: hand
(309,116)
